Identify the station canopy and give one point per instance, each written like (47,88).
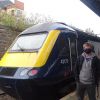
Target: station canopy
(94,5)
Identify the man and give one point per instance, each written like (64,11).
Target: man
(87,72)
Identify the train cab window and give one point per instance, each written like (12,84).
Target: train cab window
(29,42)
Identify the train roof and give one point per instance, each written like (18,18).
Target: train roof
(83,35)
(46,27)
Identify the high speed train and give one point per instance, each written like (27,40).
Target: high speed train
(40,62)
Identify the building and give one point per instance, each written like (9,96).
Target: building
(15,8)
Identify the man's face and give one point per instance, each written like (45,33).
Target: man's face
(87,49)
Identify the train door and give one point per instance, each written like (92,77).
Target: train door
(60,66)
(68,54)
(64,55)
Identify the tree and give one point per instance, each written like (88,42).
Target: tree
(89,30)
(38,18)
(21,23)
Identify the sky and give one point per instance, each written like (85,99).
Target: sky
(72,12)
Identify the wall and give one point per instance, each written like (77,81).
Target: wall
(6,38)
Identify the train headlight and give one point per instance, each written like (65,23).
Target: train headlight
(32,72)
(24,72)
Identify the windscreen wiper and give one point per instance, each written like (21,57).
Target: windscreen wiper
(22,49)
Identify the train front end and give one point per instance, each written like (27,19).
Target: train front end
(23,67)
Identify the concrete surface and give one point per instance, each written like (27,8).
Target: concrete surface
(72,96)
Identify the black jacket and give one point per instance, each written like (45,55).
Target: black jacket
(95,68)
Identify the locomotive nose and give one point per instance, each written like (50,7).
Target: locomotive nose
(21,89)
(8,86)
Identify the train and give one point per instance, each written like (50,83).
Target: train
(39,64)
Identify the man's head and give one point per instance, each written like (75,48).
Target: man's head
(88,47)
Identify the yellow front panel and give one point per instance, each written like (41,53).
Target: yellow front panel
(18,59)
(47,47)
(31,59)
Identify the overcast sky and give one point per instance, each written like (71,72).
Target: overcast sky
(72,12)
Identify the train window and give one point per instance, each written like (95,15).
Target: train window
(29,42)
(64,47)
